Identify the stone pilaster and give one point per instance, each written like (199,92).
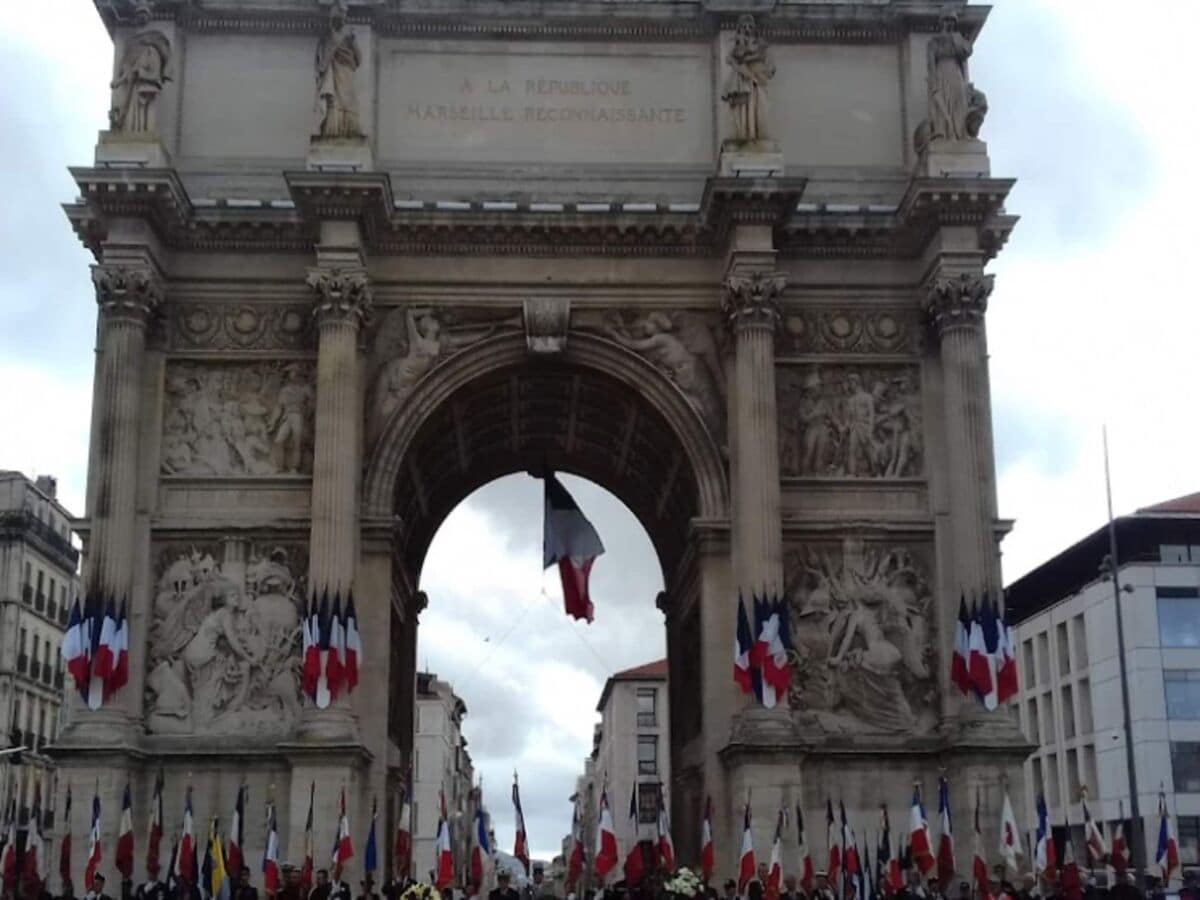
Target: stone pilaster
(956,303)
(129,296)
(341,305)
(751,302)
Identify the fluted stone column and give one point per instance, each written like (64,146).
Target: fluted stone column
(128,296)
(341,305)
(752,309)
(956,304)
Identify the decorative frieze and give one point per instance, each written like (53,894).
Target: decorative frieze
(238,326)
(224,648)
(863,622)
(811,331)
(850,421)
(238,419)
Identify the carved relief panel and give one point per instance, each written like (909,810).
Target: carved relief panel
(238,419)
(850,421)
(834,330)
(238,326)
(681,344)
(410,341)
(224,641)
(863,625)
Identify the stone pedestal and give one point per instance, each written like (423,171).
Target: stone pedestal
(761,159)
(351,154)
(120,150)
(949,159)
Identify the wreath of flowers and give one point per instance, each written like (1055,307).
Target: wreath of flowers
(420,891)
(684,883)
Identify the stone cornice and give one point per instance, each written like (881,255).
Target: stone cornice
(583,20)
(159,197)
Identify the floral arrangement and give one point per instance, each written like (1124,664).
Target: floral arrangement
(420,891)
(684,883)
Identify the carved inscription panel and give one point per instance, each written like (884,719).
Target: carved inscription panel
(863,625)
(224,642)
(238,418)
(533,103)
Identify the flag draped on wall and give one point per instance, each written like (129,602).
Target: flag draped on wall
(761,657)
(332,651)
(984,663)
(95,649)
(569,541)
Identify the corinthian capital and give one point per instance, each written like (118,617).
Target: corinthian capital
(127,291)
(342,295)
(752,298)
(958,300)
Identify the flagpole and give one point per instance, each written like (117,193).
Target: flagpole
(1137,839)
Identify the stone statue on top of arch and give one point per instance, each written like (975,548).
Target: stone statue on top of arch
(745,90)
(955,108)
(143,73)
(338,60)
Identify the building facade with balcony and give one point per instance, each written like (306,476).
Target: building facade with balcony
(631,747)
(441,767)
(38,581)
(1069,705)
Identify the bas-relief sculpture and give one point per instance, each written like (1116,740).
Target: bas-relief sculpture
(238,419)
(745,89)
(141,77)
(862,618)
(814,330)
(224,640)
(338,59)
(680,344)
(850,421)
(410,341)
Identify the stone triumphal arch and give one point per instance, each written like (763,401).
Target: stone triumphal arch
(723,257)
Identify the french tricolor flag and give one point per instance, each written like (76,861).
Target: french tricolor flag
(185,857)
(746,862)
(343,848)
(76,649)
(95,853)
(104,660)
(708,855)
(445,854)
(270,865)
(920,848)
(1167,854)
(124,854)
(945,854)
(482,851)
(311,666)
(606,839)
(354,653)
(570,542)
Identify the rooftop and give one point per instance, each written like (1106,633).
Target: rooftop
(651,671)
(1139,539)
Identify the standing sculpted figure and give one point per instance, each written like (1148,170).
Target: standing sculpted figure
(750,70)
(338,59)
(289,419)
(140,79)
(949,92)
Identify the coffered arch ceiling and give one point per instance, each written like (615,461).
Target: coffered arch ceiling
(532,414)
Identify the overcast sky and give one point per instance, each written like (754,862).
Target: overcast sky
(1094,318)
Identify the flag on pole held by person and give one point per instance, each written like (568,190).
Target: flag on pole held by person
(633,867)
(520,837)
(576,860)
(64,847)
(945,855)
(833,842)
(746,862)
(775,866)
(979,867)
(343,847)
(306,868)
(270,863)
(806,863)
(1118,855)
(402,848)
(890,877)
(123,858)
(1010,836)
(1045,860)
(95,851)
(237,827)
(666,845)
(1093,838)
(919,843)
(481,852)
(1166,855)
(185,856)
(570,542)
(444,851)
(708,851)
(606,839)
(155,830)
(371,854)
(35,847)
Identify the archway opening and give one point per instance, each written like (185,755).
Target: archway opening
(645,469)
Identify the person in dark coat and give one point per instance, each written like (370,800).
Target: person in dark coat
(503,889)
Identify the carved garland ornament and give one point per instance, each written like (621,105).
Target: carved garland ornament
(753,299)
(342,295)
(129,291)
(958,301)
